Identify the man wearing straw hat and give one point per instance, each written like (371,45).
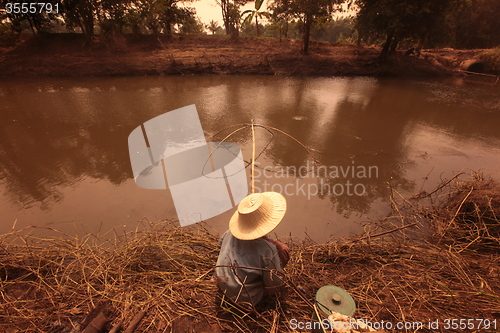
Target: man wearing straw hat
(248,259)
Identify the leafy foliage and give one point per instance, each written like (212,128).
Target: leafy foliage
(255,13)
(477,24)
(308,12)
(402,19)
(231,15)
(111,16)
(28,13)
(427,23)
(81,14)
(162,15)
(213,26)
(339,30)
(192,25)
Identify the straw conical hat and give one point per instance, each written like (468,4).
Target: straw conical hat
(257,215)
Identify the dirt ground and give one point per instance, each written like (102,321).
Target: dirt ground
(66,55)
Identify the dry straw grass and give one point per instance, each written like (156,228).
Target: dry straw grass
(51,285)
(492,58)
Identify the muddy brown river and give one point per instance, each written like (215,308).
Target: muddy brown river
(64,159)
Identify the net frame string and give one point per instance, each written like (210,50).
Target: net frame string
(252,127)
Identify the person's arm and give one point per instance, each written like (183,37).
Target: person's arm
(271,263)
(219,243)
(283,250)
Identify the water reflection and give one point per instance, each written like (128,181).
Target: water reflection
(61,134)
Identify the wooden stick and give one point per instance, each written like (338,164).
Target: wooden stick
(291,137)
(446,183)
(318,317)
(97,324)
(117,327)
(253,157)
(383,233)
(481,74)
(135,322)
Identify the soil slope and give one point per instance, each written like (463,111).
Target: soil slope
(66,55)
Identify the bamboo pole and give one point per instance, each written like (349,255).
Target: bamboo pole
(135,322)
(97,324)
(253,157)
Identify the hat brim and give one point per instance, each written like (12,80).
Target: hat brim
(278,209)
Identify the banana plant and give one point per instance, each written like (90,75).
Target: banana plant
(251,13)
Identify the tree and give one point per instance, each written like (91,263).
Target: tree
(251,13)
(213,26)
(172,14)
(341,29)
(80,13)
(112,15)
(395,20)
(192,25)
(231,14)
(162,15)
(20,12)
(308,11)
(150,12)
(477,24)
(278,27)
(280,19)
(134,20)
(248,29)
(8,33)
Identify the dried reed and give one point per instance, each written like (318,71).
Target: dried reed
(57,284)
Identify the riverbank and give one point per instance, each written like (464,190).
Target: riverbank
(161,276)
(66,55)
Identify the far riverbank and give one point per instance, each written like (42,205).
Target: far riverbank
(66,55)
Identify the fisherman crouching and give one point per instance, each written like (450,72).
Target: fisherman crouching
(248,259)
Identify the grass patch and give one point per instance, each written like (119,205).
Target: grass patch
(491,58)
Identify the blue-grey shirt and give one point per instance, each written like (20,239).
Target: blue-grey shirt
(251,262)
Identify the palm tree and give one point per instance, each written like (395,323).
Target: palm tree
(251,13)
(213,26)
